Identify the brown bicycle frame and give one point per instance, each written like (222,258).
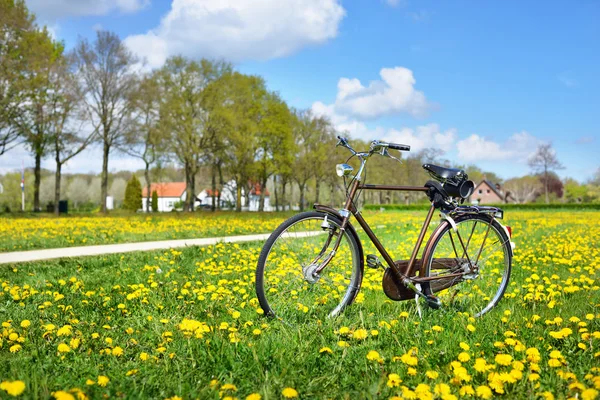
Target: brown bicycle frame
(349,206)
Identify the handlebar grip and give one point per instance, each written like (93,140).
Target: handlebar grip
(401,147)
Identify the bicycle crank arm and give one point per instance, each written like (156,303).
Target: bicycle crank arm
(432,301)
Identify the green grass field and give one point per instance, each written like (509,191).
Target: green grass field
(187,323)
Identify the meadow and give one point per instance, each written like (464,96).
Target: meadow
(40,232)
(187,324)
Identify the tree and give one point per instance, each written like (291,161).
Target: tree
(154,201)
(34,117)
(184,115)
(16,25)
(144,138)
(106,71)
(133,195)
(274,141)
(575,192)
(543,161)
(240,108)
(524,189)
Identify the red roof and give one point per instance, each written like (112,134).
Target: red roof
(256,188)
(209,193)
(166,189)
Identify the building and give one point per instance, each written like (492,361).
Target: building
(487,193)
(169,193)
(254,198)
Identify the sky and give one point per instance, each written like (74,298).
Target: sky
(482,82)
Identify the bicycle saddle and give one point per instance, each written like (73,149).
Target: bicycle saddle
(443,173)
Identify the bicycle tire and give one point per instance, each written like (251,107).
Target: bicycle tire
(473,293)
(281,285)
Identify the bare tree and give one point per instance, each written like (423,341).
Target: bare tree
(524,189)
(543,161)
(106,72)
(69,136)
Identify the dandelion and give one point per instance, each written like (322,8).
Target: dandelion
(103,380)
(144,356)
(503,359)
(13,388)
(343,344)
(289,393)
(360,334)
(326,350)
(254,396)
(470,328)
(117,351)
(374,356)
(25,324)
(464,357)
(62,395)
(432,374)
(15,348)
(63,348)
(394,380)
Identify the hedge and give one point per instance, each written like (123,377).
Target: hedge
(528,206)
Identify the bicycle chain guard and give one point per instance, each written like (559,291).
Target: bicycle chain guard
(395,289)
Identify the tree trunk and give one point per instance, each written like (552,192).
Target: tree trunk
(57,187)
(317,190)
(302,196)
(213,207)
(283,185)
(261,203)
(188,187)
(37,181)
(546,184)
(104,178)
(332,200)
(238,196)
(148,188)
(276,194)
(221,184)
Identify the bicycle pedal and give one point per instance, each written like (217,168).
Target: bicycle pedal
(433,302)
(373,261)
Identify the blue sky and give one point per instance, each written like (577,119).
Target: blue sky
(483,81)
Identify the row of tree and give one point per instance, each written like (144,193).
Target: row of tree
(201,115)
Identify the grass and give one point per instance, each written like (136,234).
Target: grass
(187,323)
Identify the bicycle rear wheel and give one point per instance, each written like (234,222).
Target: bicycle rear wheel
(479,242)
(285,285)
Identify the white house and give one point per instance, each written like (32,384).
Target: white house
(229,195)
(169,193)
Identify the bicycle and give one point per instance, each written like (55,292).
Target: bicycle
(313,263)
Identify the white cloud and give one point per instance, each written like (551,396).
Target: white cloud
(396,3)
(517,147)
(423,137)
(239,29)
(48,10)
(395,93)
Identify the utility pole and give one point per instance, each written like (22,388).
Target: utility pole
(22,186)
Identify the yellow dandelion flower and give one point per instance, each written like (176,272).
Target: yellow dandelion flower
(15,348)
(325,350)
(103,380)
(394,380)
(144,356)
(360,334)
(432,374)
(62,395)
(25,324)
(464,357)
(13,388)
(373,356)
(117,351)
(289,393)
(63,348)
(503,359)
(254,396)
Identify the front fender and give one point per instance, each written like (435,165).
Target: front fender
(350,228)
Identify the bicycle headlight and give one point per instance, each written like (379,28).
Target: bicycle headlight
(343,169)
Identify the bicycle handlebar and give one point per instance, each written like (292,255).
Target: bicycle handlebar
(376,145)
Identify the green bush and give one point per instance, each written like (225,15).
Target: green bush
(133,195)
(154,201)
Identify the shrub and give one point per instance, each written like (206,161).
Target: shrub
(133,195)
(154,201)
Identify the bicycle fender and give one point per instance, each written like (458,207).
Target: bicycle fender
(332,211)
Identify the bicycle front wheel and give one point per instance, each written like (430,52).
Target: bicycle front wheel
(286,286)
(471,265)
